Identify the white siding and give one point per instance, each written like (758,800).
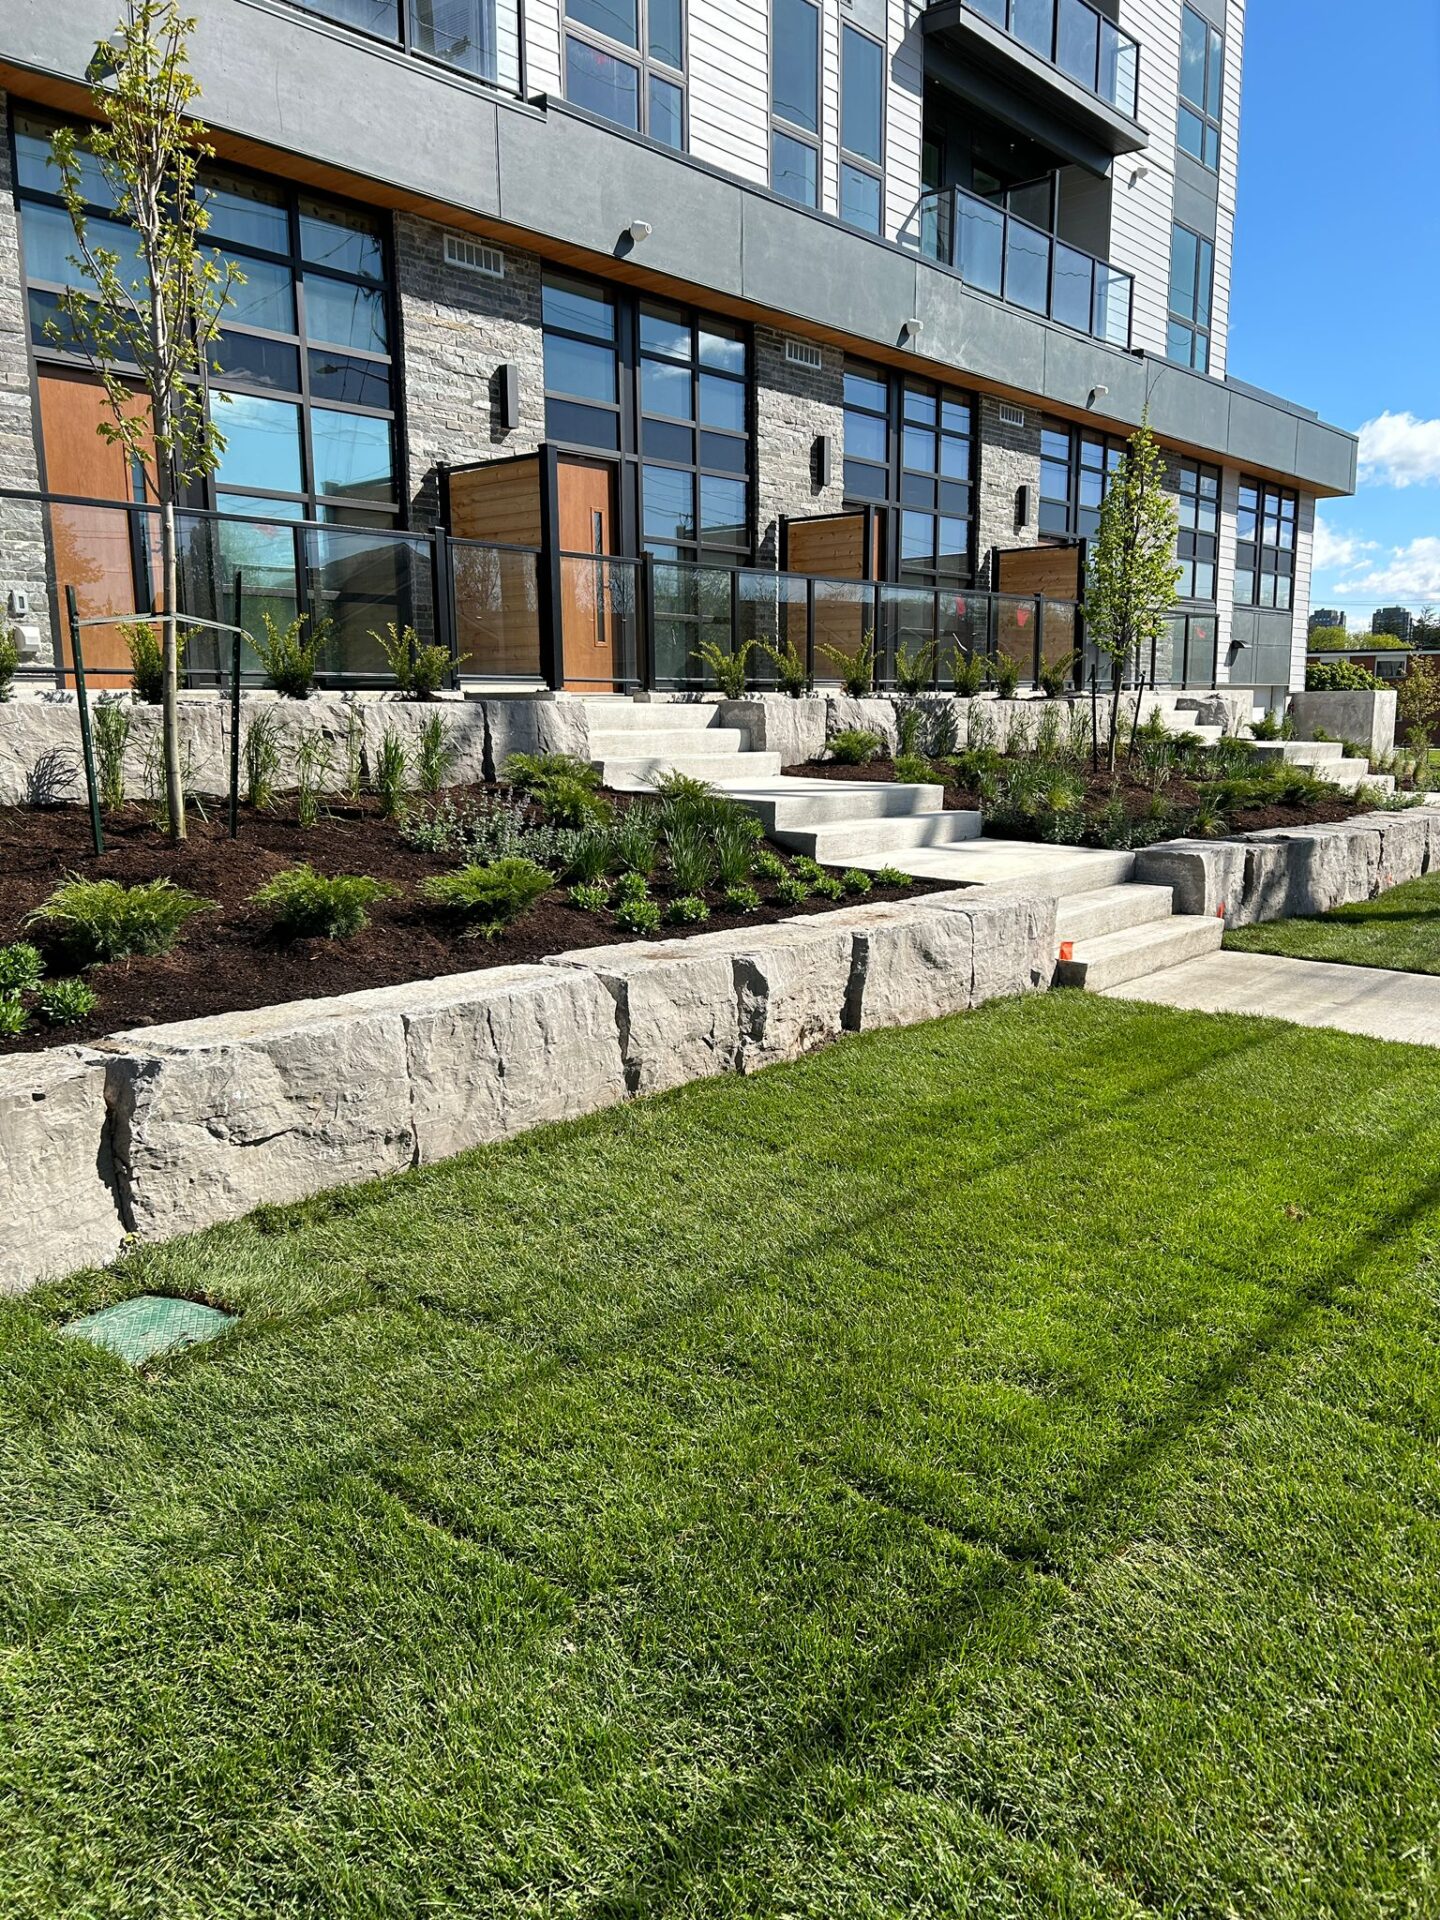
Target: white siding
(729,84)
(904,115)
(1229,169)
(1304,552)
(542,46)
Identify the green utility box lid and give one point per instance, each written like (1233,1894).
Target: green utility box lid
(148,1326)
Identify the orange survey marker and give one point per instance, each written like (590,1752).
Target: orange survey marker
(1067,949)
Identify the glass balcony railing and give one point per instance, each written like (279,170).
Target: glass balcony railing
(995,252)
(1078,39)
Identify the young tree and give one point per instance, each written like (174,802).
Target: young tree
(1132,570)
(1418,709)
(146,322)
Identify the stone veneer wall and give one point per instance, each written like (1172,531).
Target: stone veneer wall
(792,406)
(23,558)
(1009,459)
(457,329)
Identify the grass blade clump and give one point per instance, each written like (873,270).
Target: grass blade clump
(261,749)
(111,725)
(96,920)
(311,905)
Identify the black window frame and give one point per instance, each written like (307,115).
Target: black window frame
(407,35)
(781,124)
(640,60)
(903,487)
(1197,332)
(1085,453)
(1197,544)
(870,167)
(1209,119)
(214,492)
(1263,505)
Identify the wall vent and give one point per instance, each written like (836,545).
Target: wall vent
(803,353)
(462,251)
(1011,416)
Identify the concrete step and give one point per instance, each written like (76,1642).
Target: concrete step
(636,774)
(1181,723)
(845,843)
(1009,866)
(1102,910)
(795,802)
(1347,775)
(1133,952)
(616,714)
(623,743)
(1298,753)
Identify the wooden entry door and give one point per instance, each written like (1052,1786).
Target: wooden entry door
(588,616)
(99,551)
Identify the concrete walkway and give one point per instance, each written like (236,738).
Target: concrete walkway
(1312,993)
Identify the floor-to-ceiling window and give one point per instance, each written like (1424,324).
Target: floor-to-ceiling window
(1193,626)
(1075,470)
(1192,285)
(909,451)
(1265,526)
(479,38)
(795,100)
(625,60)
(1202,73)
(862,130)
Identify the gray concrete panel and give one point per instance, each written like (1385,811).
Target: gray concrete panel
(798,265)
(976,335)
(1075,366)
(1261,435)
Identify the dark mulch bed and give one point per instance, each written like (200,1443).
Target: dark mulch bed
(1137,795)
(233,959)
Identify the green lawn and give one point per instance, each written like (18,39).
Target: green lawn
(1400,929)
(984,1470)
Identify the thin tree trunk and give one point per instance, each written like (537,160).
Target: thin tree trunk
(170,654)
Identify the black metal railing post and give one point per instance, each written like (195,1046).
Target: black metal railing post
(645,663)
(446,627)
(87,745)
(236,639)
(810,632)
(1039,635)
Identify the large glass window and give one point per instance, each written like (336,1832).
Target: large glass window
(1202,80)
(1197,548)
(1075,470)
(479,37)
(625,60)
(1192,281)
(862,130)
(1265,522)
(909,449)
(795,100)
(668,386)
(300,376)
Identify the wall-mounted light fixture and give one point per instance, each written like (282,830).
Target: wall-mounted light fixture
(912,329)
(639,230)
(1139,173)
(822,461)
(1097,393)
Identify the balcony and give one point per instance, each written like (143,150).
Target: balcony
(1061,58)
(995,252)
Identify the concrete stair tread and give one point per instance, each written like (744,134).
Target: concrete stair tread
(1008,865)
(623,743)
(840,842)
(1104,910)
(620,715)
(636,772)
(1132,952)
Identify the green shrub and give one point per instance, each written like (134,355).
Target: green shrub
(857,670)
(792,890)
(806,869)
(790,674)
(1267,727)
(742,899)
(286,659)
(488,898)
(97,920)
(9,661)
(563,787)
(147,658)
(435,755)
(310,905)
(856,880)
(262,758)
(21,967)
(829,887)
(731,671)
(1339,676)
(420,671)
(1056,675)
(111,727)
(769,865)
(892,877)
(914,672)
(13,1017)
(631,885)
(967,670)
(913,769)
(65,1003)
(688,910)
(1005,673)
(853,746)
(590,896)
(638,916)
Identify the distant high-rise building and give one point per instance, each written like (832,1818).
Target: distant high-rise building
(1326,617)
(1396,621)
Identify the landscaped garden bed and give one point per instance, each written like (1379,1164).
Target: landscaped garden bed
(686,862)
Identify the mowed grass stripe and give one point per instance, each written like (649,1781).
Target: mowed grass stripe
(984,1468)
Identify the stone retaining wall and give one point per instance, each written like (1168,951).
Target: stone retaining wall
(163,1130)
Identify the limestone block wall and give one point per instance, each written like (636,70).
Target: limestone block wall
(794,406)
(23,560)
(1009,459)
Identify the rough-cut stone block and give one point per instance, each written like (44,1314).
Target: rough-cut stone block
(1367,717)
(1207,876)
(910,962)
(844,714)
(791,983)
(1013,940)
(213,1117)
(675,1008)
(57,1190)
(39,753)
(774,723)
(1309,870)
(542,724)
(1404,845)
(493,1053)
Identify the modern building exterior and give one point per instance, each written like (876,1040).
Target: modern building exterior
(1396,621)
(1331,617)
(579,330)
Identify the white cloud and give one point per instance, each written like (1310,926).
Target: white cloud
(1398,450)
(1410,576)
(1338,552)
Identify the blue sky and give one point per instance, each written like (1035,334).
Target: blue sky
(1336,294)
